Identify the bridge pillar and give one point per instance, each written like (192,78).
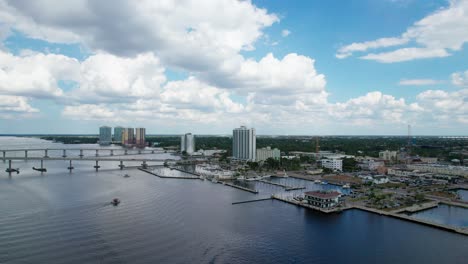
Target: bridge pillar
(144,165)
(121,165)
(45,153)
(139,151)
(97,152)
(97,165)
(42,164)
(125,152)
(70,168)
(152,152)
(9,166)
(112,152)
(64,153)
(4,153)
(81,153)
(26,154)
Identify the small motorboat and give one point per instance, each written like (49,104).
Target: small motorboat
(317,181)
(323,182)
(115,202)
(126,176)
(346,186)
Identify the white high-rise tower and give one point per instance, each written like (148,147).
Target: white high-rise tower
(244,143)
(187,143)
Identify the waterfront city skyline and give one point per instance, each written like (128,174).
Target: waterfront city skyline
(312,68)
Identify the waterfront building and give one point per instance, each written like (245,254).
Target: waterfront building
(140,137)
(441,169)
(265,153)
(187,143)
(332,163)
(323,199)
(371,164)
(105,135)
(388,155)
(118,131)
(128,137)
(244,144)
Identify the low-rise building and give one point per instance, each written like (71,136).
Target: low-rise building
(442,169)
(266,153)
(388,155)
(371,164)
(333,164)
(323,199)
(379,179)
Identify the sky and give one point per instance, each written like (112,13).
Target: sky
(364,67)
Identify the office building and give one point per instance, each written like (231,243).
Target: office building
(266,153)
(187,143)
(140,137)
(105,135)
(244,144)
(118,131)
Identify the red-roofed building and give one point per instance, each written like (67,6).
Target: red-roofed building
(323,199)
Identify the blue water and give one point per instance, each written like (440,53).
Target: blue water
(445,214)
(58,217)
(463,195)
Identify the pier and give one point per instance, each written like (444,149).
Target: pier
(239,187)
(170,177)
(286,187)
(459,230)
(252,201)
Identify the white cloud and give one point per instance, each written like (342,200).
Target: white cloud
(460,79)
(15,106)
(35,74)
(449,107)
(436,35)
(107,77)
(347,51)
(194,35)
(419,82)
(406,54)
(285,33)
(89,112)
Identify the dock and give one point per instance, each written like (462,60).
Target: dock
(286,187)
(252,201)
(417,207)
(170,177)
(240,187)
(188,172)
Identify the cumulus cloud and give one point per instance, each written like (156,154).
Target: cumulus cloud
(419,82)
(89,112)
(436,35)
(194,35)
(15,106)
(285,33)
(35,74)
(460,79)
(445,106)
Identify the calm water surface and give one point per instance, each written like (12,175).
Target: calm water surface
(58,217)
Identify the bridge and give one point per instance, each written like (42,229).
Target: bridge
(81,157)
(98,151)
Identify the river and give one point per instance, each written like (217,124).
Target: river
(62,217)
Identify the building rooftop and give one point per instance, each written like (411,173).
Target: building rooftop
(323,194)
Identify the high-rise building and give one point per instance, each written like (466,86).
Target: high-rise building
(266,153)
(187,143)
(105,135)
(118,131)
(244,143)
(140,137)
(128,137)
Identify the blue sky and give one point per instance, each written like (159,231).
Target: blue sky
(302,67)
